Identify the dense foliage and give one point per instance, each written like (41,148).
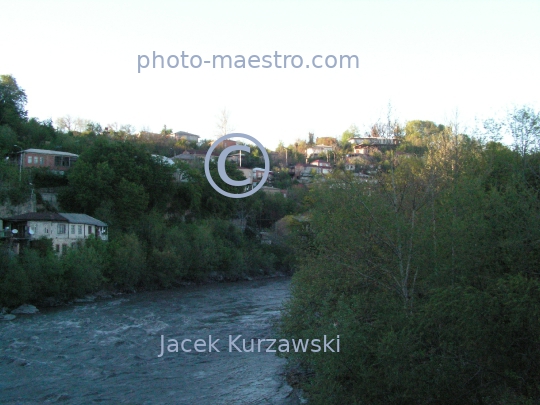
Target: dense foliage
(167,225)
(429,275)
(428,270)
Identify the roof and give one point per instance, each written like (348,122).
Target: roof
(82,219)
(321,147)
(184,133)
(37,216)
(56,217)
(50,152)
(323,162)
(373,140)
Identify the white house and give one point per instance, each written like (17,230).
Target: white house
(187,136)
(316,150)
(64,229)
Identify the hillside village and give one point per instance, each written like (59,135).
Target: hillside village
(419,238)
(26,223)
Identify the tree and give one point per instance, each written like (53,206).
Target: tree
(65,123)
(80,124)
(121,173)
(92,128)
(522,125)
(223,125)
(12,102)
(166,131)
(351,132)
(8,138)
(428,274)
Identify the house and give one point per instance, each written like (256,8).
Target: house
(315,151)
(64,229)
(357,140)
(193,156)
(179,175)
(186,135)
(258,174)
(255,175)
(304,173)
(360,162)
(368,145)
(186,156)
(322,163)
(57,161)
(224,144)
(248,174)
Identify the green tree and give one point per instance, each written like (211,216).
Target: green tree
(12,102)
(127,261)
(121,173)
(351,132)
(427,274)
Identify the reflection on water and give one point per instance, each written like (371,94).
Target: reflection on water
(107,352)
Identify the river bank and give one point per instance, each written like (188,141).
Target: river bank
(110,291)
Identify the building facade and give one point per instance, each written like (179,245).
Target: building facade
(64,229)
(54,160)
(187,136)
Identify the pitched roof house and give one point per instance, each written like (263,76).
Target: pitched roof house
(65,229)
(53,159)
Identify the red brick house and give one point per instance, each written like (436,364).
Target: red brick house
(52,159)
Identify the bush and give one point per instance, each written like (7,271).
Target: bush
(126,263)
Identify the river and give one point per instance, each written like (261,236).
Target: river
(107,351)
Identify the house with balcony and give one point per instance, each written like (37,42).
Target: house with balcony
(64,229)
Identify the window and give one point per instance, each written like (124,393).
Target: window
(35,160)
(57,248)
(41,161)
(61,229)
(73,229)
(29,159)
(80,229)
(61,161)
(89,229)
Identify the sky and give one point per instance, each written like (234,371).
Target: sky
(430,60)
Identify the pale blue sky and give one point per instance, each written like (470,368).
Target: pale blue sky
(428,58)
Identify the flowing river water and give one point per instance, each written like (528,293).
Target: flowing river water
(107,351)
